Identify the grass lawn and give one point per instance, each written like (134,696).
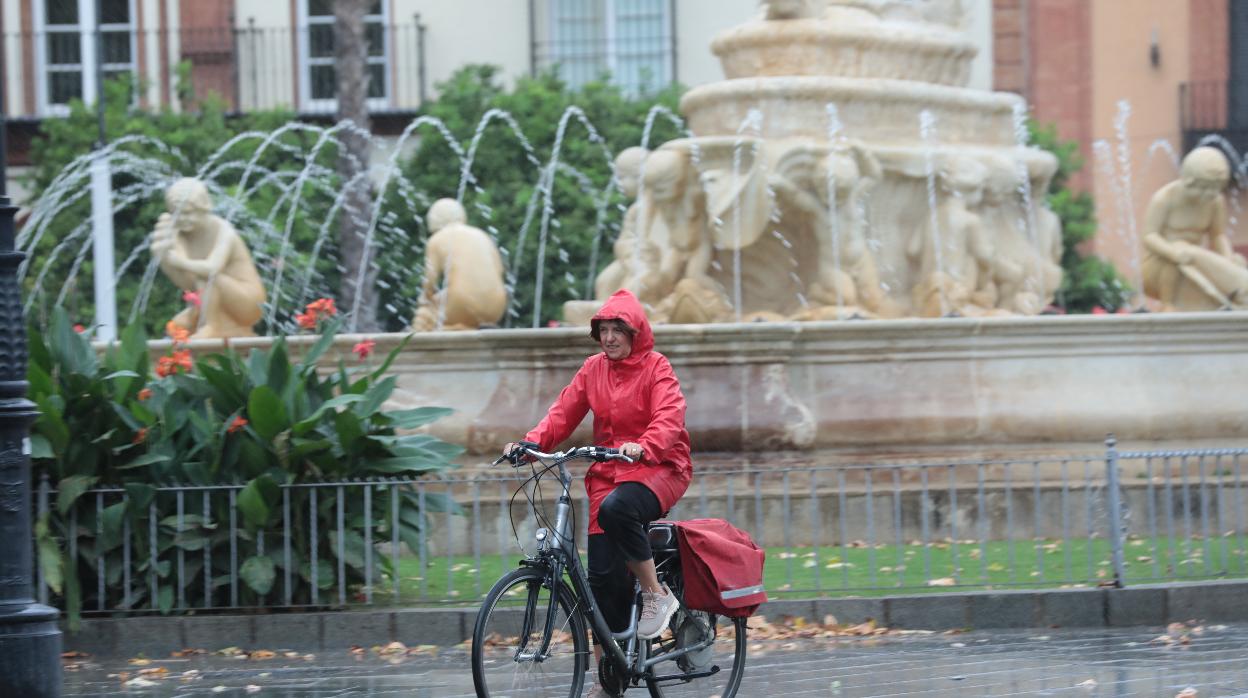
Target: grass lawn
(859,570)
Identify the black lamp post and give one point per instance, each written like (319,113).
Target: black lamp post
(30,641)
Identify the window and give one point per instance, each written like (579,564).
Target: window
(630,39)
(318,78)
(66,48)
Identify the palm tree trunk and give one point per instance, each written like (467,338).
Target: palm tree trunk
(359,280)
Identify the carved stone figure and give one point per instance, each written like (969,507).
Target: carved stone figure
(829,187)
(955,259)
(463,287)
(628,253)
(1188,262)
(202,253)
(673,218)
(1020,271)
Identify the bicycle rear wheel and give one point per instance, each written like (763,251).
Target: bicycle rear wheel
(726,651)
(508,635)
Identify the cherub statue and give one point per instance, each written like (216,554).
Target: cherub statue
(202,254)
(1182,218)
(635,259)
(673,218)
(829,188)
(463,287)
(955,260)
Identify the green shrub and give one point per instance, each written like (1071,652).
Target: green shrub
(258,423)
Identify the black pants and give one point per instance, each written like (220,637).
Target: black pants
(623,515)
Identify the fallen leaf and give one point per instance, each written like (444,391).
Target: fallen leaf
(1188,692)
(941,582)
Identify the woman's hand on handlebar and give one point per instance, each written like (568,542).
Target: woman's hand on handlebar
(632,450)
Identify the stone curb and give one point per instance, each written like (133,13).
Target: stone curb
(1158,604)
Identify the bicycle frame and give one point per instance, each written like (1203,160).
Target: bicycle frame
(560,556)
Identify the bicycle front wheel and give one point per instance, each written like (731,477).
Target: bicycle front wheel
(507,657)
(722,644)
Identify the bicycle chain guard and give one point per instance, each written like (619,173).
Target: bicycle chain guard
(608,678)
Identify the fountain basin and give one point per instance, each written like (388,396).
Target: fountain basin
(930,388)
(856,50)
(874,111)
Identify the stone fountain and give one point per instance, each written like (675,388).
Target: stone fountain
(844,169)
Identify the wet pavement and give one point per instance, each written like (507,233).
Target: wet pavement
(1213,660)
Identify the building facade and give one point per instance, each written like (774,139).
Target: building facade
(1137,83)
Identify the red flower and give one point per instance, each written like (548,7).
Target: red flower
(140,436)
(169,365)
(237,424)
(316,311)
(79,329)
(145,394)
(364,349)
(193,298)
(323,306)
(1098,310)
(306,320)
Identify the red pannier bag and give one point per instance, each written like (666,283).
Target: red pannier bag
(721,566)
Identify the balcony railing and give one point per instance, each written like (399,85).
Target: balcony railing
(1213,110)
(250,67)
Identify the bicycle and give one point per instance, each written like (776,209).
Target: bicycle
(531,634)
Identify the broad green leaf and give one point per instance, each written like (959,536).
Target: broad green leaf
(145,459)
(258,367)
(70,349)
(112,517)
(71,488)
(40,448)
(405,464)
(377,393)
(255,499)
(418,417)
(279,366)
(121,374)
(390,357)
(165,599)
(266,412)
(306,425)
(349,429)
(307,363)
(50,561)
(258,572)
(140,495)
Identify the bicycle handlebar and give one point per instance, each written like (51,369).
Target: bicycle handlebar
(594,453)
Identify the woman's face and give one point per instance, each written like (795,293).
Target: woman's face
(616,341)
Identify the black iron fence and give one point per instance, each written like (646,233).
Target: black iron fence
(1108,519)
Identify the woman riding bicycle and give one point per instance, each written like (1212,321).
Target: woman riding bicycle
(638,407)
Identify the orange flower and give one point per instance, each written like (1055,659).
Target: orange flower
(169,365)
(140,436)
(145,394)
(306,320)
(323,306)
(364,349)
(79,328)
(177,333)
(237,424)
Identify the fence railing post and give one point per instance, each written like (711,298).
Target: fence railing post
(1116,527)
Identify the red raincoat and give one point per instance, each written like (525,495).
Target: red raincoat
(634,399)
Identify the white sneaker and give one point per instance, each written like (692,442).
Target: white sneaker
(656,611)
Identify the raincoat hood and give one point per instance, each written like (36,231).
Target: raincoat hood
(623,305)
